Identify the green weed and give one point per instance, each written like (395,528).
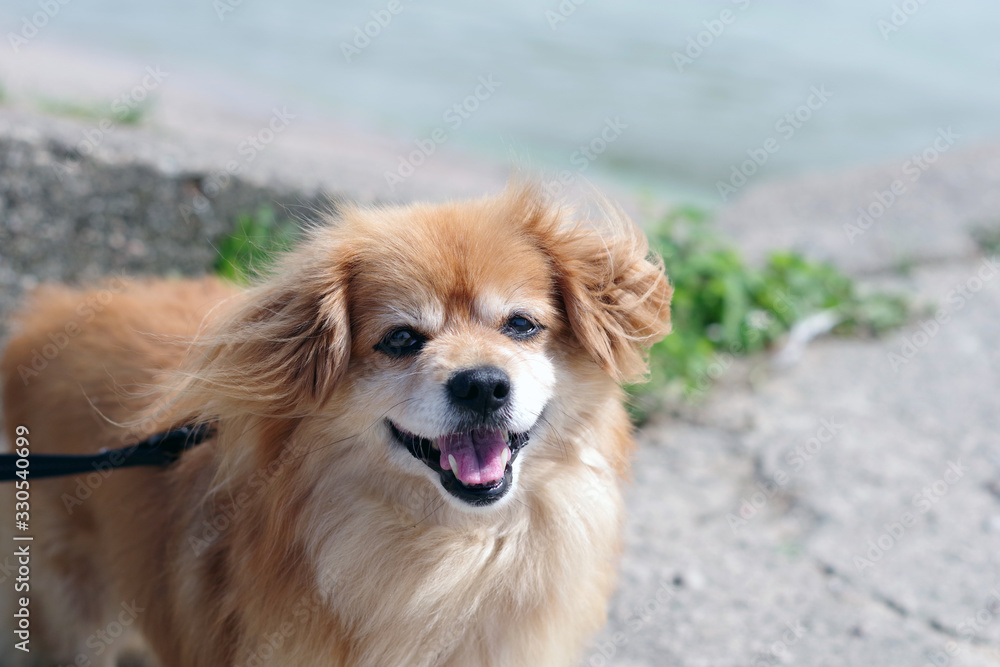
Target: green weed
(722,306)
(249,251)
(93,112)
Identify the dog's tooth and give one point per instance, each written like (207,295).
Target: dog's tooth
(453,464)
(505,433)
(505,456)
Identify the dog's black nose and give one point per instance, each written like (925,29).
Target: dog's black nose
(481,391)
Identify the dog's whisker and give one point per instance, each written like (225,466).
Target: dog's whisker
(440,503)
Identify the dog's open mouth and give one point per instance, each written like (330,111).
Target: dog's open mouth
(474,466)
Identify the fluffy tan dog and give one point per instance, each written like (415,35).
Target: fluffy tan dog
(420,442)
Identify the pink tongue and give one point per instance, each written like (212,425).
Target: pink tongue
(479,455)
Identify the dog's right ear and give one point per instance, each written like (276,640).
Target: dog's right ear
(613,290)
(615,294)
(286,346)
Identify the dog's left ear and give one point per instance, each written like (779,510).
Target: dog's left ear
(615,293)
(286,346)
(295,340)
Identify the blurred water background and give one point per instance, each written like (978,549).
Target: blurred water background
(695,84)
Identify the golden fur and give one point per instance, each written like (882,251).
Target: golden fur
(302,534)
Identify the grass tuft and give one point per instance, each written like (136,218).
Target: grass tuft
(724,308)
(250,250)
(131,115)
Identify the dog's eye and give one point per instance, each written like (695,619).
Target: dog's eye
(400,342)
(520,327)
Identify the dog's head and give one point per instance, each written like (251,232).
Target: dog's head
(452,335)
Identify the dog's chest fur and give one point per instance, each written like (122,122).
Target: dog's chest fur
(376,584)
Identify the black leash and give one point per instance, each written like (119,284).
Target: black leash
(161,449)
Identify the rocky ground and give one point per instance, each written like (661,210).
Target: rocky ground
(843,511)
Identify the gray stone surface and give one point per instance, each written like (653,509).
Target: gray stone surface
(938,203)
(134,207)
(698,588)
